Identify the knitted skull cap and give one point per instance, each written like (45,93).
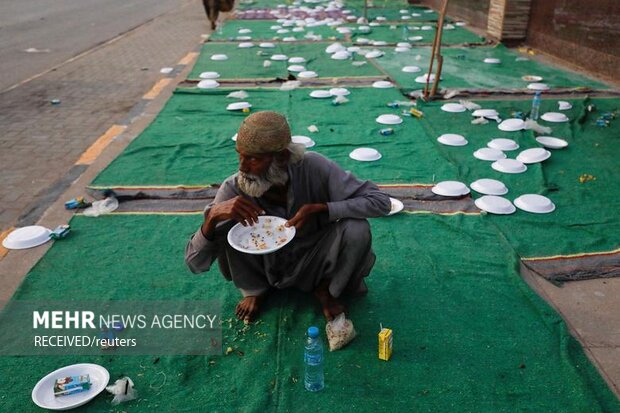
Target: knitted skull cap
(263,132)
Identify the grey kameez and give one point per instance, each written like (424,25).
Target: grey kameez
(336,245)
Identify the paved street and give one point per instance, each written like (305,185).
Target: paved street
(40,142)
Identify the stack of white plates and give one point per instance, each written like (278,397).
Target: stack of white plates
(453,107)
(365,154)
(509,166)
(489,187)
(389,119)
(551,142)
(495,205)
(489,154)
(537,204)
(554,117)
(450,188)
(452,139)
(533,155)
(503,144)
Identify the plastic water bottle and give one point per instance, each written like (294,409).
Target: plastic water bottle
(313,361)
(405,32)
(535,107)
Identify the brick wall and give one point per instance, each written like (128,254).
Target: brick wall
(475,12)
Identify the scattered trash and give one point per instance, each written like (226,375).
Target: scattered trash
(102,207)
(35,50)
(340,332)
(469,105)
(239,94)
(55,101)
(450,93)
(290,85)
(77,203)
(385,343)
(583,178)
(61,231)
(266,63)
(359,63)
(166,70)
(386,132)
(313,128)
(533,125)
(123,391)
(479,121)
(338,100)
(416,112)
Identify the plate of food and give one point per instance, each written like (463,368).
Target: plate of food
(268,235)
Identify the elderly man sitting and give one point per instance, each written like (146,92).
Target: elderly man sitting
(331,252)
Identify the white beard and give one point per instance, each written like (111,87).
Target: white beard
(255,185)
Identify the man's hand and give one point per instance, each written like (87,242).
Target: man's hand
(238,208)
(304,213)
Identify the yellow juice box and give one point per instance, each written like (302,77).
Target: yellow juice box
(385,344)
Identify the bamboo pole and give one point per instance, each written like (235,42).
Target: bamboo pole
(436,53)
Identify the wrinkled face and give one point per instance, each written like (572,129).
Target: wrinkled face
(259,172)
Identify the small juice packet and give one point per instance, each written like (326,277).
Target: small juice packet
(71,384)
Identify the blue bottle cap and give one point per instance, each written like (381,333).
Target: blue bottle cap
(313,332)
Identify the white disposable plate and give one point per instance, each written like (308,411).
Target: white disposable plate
(564,105)
(403,44)
(535,203)
(238,106)
(460,24)
(379,43)
(512,125)
(509,166)
(365,154)
(27,237)
(275,27)
(296,68)
(207,84)
(495,205)
(532,78)
(361,40)
(411,69)
(554,117)
(401,49)
(209,75)
(503,144)
(334,47)
(245,45)
(450,188)
(353,49)
(489,187)
(538,86)
(339,91)
(264,237)
(364,29)
(308,74)
(453,107)
(489,154)
(267,45)
(279,57)
(415,38)
(374,54)
(244,31)
(219,57)
(452,139)
(382,84)
(426,28)
(234,137)
(422,79)
(320,94)
(374,24)
(492,60)
(380,18)
(304,140)
(533,155)
(296,60)
(343,30)
(389,119)
(43,392)
(243,38)
(298,29)
(396,206)
(341,55)
(282,31)
(485,113)
(551,142)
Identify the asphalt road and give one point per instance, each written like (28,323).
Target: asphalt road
(56,30)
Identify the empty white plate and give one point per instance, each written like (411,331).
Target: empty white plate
(320,94)
(495,205)
(554,117)
(341,55)
(245,45)
(296,68)
(492,60)
(453,107)
(297,60)
(415,38)
(374,54)
(267,45)
(426,28)
(533,155)
(382,84)
(509,166)
(403,44)
(551,142)
(489,154)
(485,113)
(422,79)
(239,106)
(401,49)
(532,78)
(489,187)
(538,86)
(308,74)
(365,154)
(396,206)
(512,125)
(450,188)
(207,84)
(353,49)
(535,203)
(452,139)
(389,119)
(244,31)
(279,57)
(564,105)
(379,43)
(339,91)
(209,75)
(27,237)
(304,140)
(234,137)
(219,57)
(411,69)
(503,144)
(334,47)
(243,38)
(282,31)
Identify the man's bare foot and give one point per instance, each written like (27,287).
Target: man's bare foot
(248,307)
(330,305)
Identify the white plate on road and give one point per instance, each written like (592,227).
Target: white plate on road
(43,392)
(452,139)
(533,155)
(535,203)
(489,154)
(503,144)
(509,166)
(551,142)
(264,237)
(396,207)
(26,237)
(495,205)
(489,187)
(450,188)
(365,154)
(389,119)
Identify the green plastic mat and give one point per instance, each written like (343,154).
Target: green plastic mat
(262,30)
(413,33)
(248,64)
(464,68)
(391,10)
(468,333)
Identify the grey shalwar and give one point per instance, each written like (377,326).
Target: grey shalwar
(334,245)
